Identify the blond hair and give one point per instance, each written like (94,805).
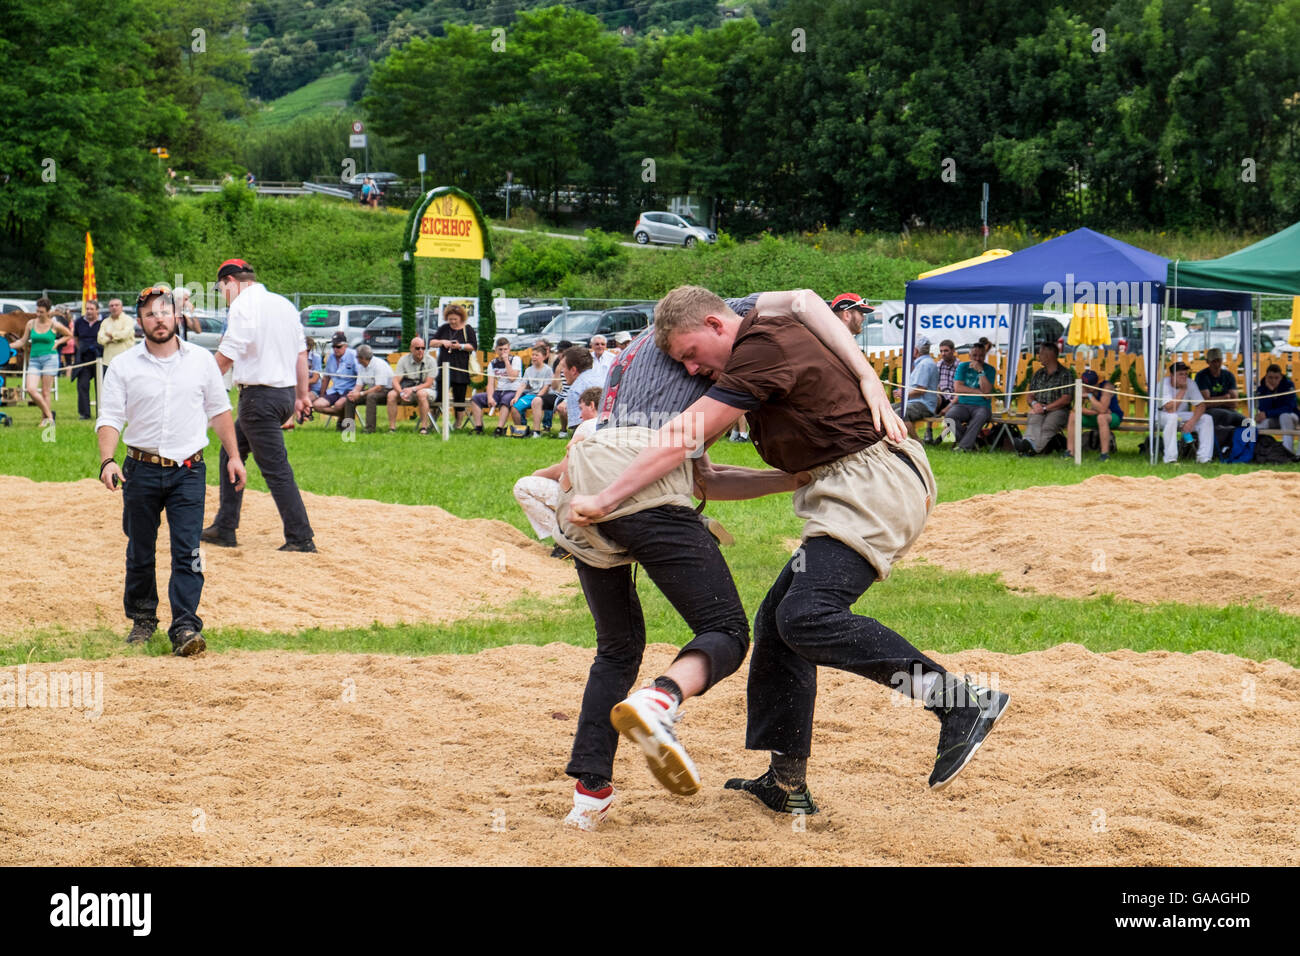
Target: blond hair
(684,309)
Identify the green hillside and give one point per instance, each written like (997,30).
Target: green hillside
(324,96)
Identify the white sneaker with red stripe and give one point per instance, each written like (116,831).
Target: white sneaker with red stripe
(589,808)
(647,718)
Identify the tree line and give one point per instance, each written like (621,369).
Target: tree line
(880,115)
(883,115)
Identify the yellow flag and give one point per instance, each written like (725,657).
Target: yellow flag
(88,274)
(1294,337)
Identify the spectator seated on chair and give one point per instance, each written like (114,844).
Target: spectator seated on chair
(922,403)
(973,381)
(1182,412)
(1275,408)
(538,379)
(340,378)
(1216,382)
(1101,411)
(538,494)
(504,375)
(579,375)
(415,384)
(374,381)
(947,365)
(313,369)
(1051,393)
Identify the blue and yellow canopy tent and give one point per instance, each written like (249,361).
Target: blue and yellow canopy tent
(1082,266)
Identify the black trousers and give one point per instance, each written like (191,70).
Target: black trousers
(683,560)
(150,489)
(1225,417)
(262,410)
(806,621)
(85,377)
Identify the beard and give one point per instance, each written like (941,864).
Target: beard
(162,335)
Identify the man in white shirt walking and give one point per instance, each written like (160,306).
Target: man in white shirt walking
(265,345)
(169,391)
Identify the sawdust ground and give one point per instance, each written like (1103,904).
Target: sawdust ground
(239,758)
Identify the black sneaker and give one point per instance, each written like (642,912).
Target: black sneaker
(308,546)
(143,630)
(965,719)
(498,432)
(773,796)
(559,552)
(188,643)
(214,535)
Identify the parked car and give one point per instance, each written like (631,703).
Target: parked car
(531,321)
(382,180)
(322,321)
(213,327)
(19,305)
(1279,332)
(1125,336)
(1226,340)
(672,229)
(384,333)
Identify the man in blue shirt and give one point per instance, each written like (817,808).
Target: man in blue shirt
(340,377)
(581,374)
(973,382)
(1276,408)
(923,400)
(313,367)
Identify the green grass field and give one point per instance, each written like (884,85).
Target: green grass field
(323,96)
(471,477)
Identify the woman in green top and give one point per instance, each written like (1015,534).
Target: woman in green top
(43,337)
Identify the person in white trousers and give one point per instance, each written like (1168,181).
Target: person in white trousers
(1182,412)
(538,494)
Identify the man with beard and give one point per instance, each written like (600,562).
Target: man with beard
(170,392)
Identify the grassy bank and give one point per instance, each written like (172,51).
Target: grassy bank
(323,245)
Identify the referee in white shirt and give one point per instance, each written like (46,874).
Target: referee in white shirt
(265,345)
(169,391)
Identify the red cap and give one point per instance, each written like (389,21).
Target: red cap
(849,300)
(231,266)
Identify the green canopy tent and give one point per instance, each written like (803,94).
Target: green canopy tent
(1269,267)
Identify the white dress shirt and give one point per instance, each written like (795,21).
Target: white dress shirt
(166,401)
(378,372)
(605,362)
(263,338)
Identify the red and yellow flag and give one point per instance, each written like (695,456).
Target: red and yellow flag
(88,274)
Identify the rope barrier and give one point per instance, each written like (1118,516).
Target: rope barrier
(62,368)
(1062,388)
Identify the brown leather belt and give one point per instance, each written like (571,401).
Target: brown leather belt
(153,459)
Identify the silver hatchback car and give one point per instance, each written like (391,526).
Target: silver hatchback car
(671,228)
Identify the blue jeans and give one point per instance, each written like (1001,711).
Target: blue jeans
(148,490)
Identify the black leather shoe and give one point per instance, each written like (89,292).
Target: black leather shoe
(214,535)
(309,546)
